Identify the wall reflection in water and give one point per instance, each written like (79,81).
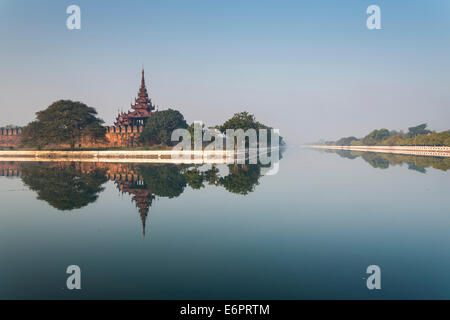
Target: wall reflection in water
(385,160)
(73,185)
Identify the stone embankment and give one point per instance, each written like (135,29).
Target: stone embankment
(143,156)
(431,151)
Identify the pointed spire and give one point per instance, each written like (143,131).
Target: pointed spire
(143,218)
(143,77)
(142,106)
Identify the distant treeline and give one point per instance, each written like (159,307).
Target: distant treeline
(416,136)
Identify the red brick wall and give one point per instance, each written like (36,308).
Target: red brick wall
(9,137)
(124,137)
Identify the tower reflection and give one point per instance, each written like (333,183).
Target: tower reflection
(67,186)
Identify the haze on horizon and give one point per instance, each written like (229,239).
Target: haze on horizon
(311,69)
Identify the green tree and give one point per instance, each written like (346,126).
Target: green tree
(375,137)
(447,142)
(345,141)
(64,122)
(33,136)
(418,130)
(242,120)
(64,187)
(159,127)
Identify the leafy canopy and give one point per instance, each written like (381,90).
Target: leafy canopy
(416,136)
(63,122)
(418,130)
(242,120)
(159,127)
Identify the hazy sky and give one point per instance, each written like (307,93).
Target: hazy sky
(310,68)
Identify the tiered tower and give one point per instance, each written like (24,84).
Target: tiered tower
(142,108)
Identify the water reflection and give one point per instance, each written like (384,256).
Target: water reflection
(64,187)
(384,160)
(73,185)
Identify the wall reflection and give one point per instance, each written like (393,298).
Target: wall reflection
(68,186)
(385,160)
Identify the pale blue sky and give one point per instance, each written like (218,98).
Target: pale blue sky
(310,68)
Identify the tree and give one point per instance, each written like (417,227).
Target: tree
(242,120)
(64,122)
(345,141)
(418,130)
(375,137)
(159,127)
(447,142)
(33,136)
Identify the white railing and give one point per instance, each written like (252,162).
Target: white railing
(434,151)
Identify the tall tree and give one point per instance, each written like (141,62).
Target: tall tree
(418,130)
(242,120)
(375,137)
(64,122)
(159,127)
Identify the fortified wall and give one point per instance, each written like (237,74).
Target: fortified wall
(10,138)
(116,137)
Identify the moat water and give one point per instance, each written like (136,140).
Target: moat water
(227,232)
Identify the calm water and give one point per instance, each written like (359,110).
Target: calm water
(308,232)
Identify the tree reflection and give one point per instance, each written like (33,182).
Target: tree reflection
(64,187)
(194,178)
(242,179)
(385,160)
(164,180)
(73,185)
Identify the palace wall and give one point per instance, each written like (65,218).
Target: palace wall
(116,137)
(10,137)
(123,136)
(113,171)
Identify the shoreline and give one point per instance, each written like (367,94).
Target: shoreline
(429,151)
(144,156)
